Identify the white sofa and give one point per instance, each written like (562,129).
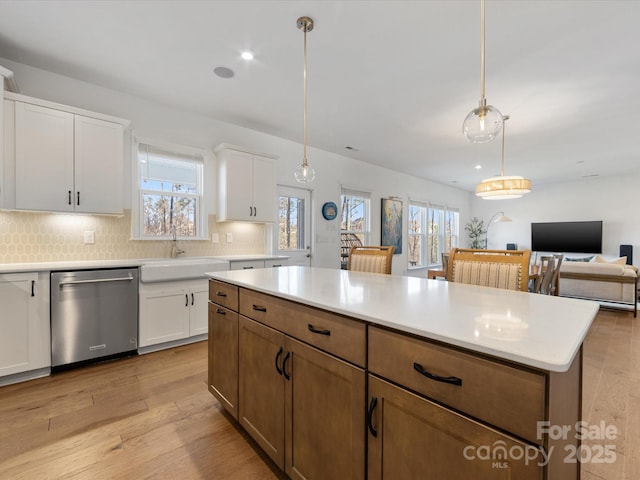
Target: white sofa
(607,283)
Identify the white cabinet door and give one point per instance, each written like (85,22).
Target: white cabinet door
(264,190)
(164,314)
(19,333)
(235,186)
(199,311)
(98,166)
(44,158)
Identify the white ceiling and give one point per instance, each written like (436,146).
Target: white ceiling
(394,79)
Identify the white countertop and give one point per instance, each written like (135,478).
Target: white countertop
(131,262)
(541,331)
(242,258)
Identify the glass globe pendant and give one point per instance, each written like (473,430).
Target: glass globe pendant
(304,172)
(483,124)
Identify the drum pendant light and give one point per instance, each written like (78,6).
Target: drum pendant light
(503,188)
(483,123)
(304,172)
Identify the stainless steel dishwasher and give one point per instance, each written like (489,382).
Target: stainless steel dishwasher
(94,315)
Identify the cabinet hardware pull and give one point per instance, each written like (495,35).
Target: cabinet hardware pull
(78,198)
(221,294)
(284,363)
(278,369)
(255,211)
(278,265)
(69,197)
(219,311)
(259,308)
(33,288)
(247,268)
(186,297)
(451,380)
(372,407)
(192,299)
(312,329)
(250,211)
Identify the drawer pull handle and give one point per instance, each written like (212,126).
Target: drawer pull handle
(219,311)
(372,407)
(247,268)
(312,329)
(259,308)
(277,357)
(221,294)
(451,380)
(284,363)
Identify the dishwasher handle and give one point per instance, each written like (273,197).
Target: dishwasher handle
(96,280)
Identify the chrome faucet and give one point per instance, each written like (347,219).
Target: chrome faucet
(175,251)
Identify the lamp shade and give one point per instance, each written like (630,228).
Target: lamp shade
(503,188)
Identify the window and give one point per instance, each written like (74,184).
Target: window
(354,225)
(169,193)
(433,230)
(291,224)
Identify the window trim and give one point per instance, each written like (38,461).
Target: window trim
(199,156)
(366,233)
(444,208)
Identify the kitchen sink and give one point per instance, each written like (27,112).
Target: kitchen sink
(168,269)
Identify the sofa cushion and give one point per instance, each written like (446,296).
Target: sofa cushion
(595,268)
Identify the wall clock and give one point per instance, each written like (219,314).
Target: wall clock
(329,210)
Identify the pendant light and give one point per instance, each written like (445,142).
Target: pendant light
(304,172)
(483,123)
(503,188)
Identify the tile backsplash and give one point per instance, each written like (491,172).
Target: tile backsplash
(27,237)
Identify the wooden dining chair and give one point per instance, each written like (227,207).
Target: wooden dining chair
(508,269)
(374,259)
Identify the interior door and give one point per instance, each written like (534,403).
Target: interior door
(293,232)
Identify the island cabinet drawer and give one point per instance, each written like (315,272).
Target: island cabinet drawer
(345,338)
(507,397)
(223,294)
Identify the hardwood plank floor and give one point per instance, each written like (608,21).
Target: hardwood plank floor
(152,417)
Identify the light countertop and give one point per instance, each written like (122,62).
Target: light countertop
(130,262)
(536,330)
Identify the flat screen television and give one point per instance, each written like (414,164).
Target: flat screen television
(569,237)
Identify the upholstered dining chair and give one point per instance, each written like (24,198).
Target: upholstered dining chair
(374,259)
(508,269)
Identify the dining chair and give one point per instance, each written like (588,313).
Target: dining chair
(507,269)
(374,259)
(544,269)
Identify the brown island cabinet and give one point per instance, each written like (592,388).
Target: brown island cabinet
(331,396)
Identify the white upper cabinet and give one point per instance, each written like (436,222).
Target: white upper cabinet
(247,186)
(66,159)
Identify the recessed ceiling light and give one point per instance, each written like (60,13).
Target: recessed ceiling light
(247,55)
(223,72)
(478,167)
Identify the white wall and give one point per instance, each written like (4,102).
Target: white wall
(610,199)
(154,120)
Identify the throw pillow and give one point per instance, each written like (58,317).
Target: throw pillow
(580,259)
(616,261)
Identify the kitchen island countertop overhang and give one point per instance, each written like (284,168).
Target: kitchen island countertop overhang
(538,331)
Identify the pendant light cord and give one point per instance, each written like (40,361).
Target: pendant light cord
(482,51)
(304,120)
(504,123)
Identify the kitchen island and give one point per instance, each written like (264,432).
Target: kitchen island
(424,379)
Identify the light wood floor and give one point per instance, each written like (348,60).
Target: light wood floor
(152,417)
